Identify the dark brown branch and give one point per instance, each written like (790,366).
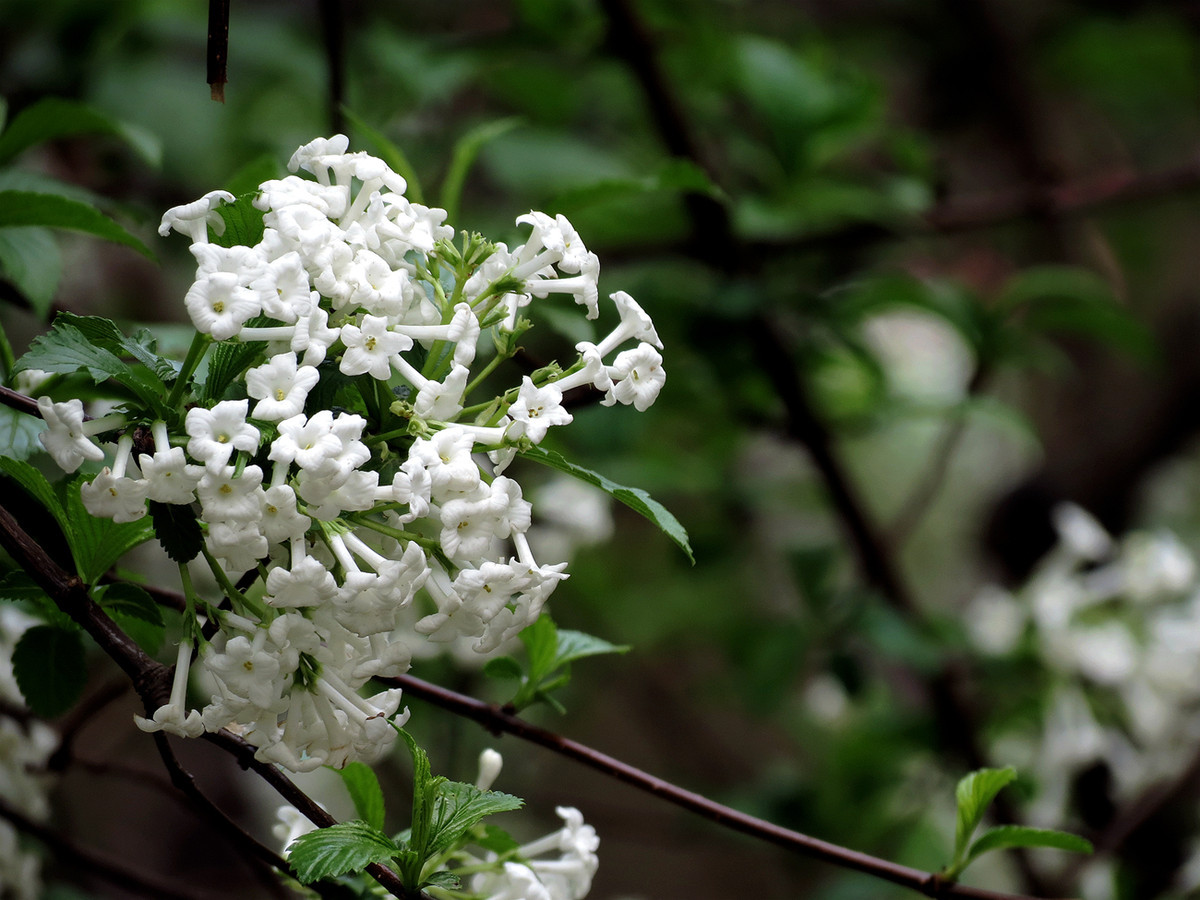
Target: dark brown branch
(333,32)
(218,47)
(497,721)
(130,880)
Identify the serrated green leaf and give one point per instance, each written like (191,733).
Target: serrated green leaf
(99,542)
(497,840)
(459,806)
(25,208)
(64,349)
(49,667)
(243,223)
(338,849)
(104,333)
(390,154)
(54,118)
(466,150)
(503,667)
(425,788)
(635,498)
(35,484)
(443,879)
(573,645)
(364,789)
(31,261)
(135,612)
(974,794)
(178,530)
(1004,836)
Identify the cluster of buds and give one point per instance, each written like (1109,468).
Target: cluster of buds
(350,491)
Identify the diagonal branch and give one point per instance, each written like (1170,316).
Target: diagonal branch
(497,721)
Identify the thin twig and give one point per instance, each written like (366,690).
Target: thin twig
(218,47)
(135,881)
(497,721)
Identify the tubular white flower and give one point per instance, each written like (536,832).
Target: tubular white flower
(66,437)
(112,495)
(280,386)
(173,717)
(215,433)
(536,409)
(635,325)
(219,304)
(369,346)
(192,219)
(637,376)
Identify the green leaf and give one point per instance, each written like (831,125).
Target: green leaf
(178,530)
(541,643)
(466,150)
(19,433)
(497,840)
(635,498)
(103,332)
(24,208)
(1005,836)
(674,175)
(459,807)
(18,587)
(443,879)
(974,794)
(573,645)
(338,849)
(35,484)
(243,223)
(99,542)
(390,154)
(503,667)
(363,785)
(226,362)
(49,667)
(425,788)
(135,612)
(65,349)
(31,260)
(54,118)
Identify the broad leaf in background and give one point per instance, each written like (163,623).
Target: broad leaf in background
(465,153)
(635,498)
(99,542)
(135,612)
(53,118)
(41,491)
(31,260)
(243,223)
(25,208)
(49,667)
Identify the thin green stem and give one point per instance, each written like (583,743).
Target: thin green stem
(7,359)
(397,534)
(195,353)
(230,589)
(483,373)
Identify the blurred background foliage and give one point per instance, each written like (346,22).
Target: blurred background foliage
(923,271)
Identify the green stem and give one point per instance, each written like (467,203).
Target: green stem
(397,534)
(7,359)
(195,353)
(230,590)
(483,373)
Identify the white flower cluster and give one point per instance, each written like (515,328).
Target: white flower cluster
(1116,625)
(362,542)
(25,747)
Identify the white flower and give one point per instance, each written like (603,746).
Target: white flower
(283,288)
(306,583)
(219,304)
(66,436)
(280,386)
(169,477)
(538,408)
(173,717)
(229,496)
(369,347)
(635,324)
(447,458)
(215,433)
(193,219)
(637,377)
(280,519)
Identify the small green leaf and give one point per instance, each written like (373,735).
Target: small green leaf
(363,785)
(103,332)
(99,542)
(19,433)
(225,363)
(541,644)
(974,794)
(1005,836)
(243,223)
(135,612)
(465,152)
(25,208)
(497,840)
(636,499)
(31,260)
(443,879)
(49,667)
(35,484)
(53,117)
(503,667)
(459,807)
(573,645)
(178,530)
(338,849)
